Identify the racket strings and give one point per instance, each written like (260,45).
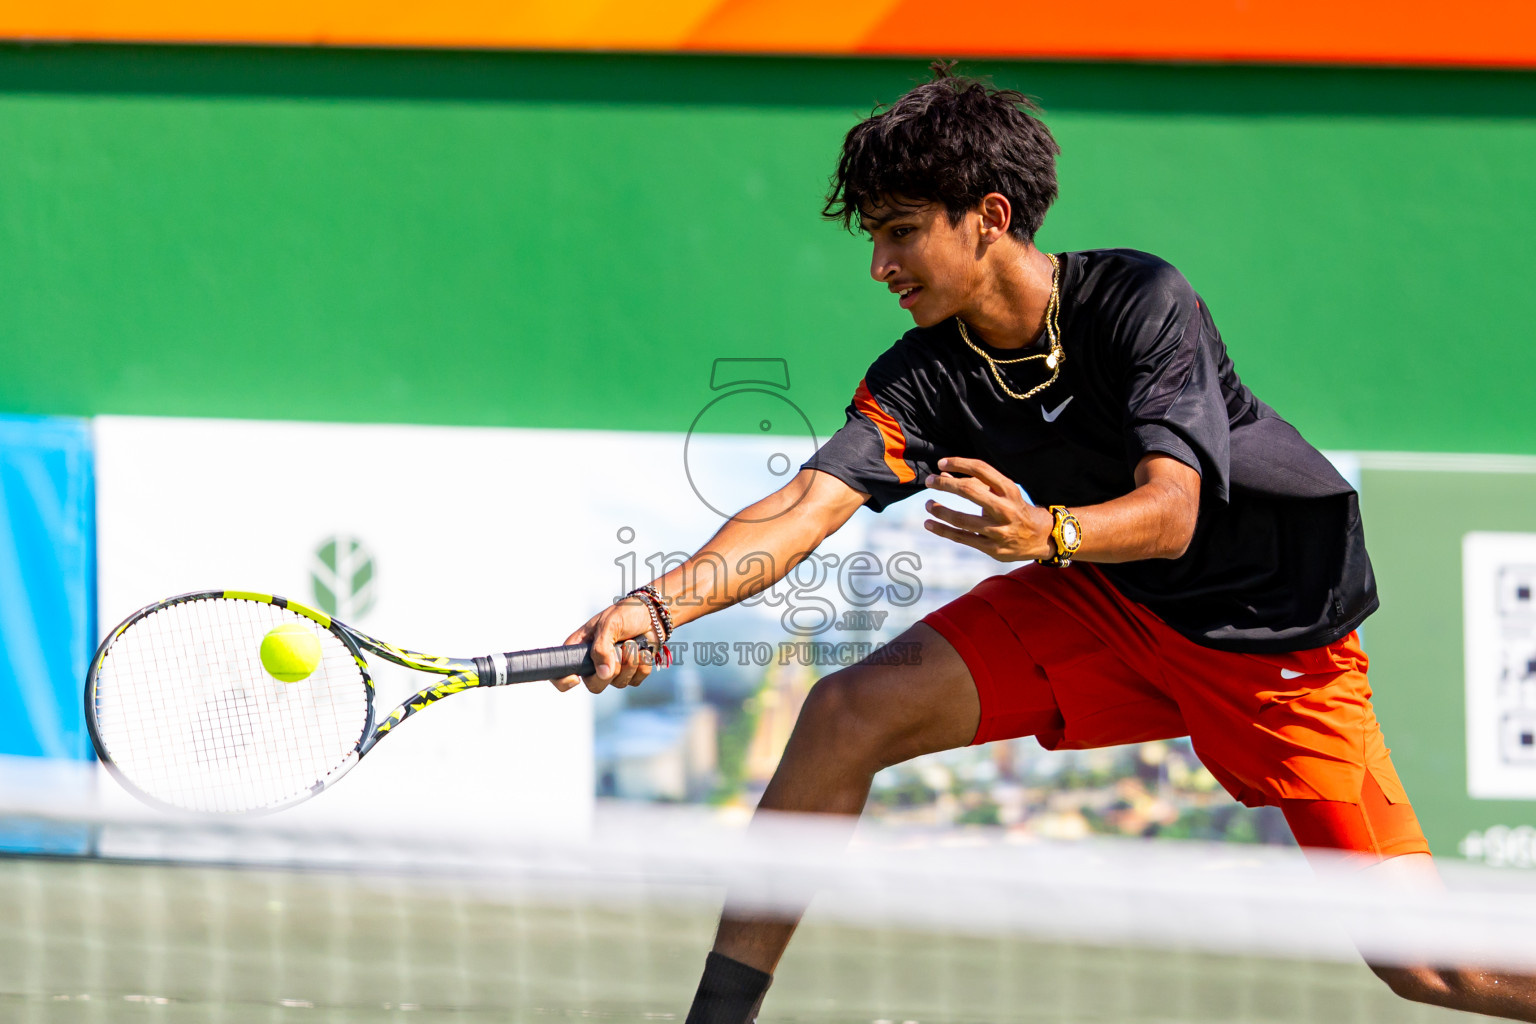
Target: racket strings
(189,716)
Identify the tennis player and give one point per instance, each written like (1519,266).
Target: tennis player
(1190,565)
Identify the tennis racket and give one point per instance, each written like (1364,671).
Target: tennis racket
(185,716)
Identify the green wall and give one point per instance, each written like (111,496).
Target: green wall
(561,240)
(1415,522)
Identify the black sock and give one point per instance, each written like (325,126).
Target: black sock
(729,992)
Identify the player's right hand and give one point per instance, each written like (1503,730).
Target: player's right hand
(619,660)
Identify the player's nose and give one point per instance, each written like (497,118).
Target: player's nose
(881,268)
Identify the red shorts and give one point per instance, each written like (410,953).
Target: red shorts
(1061,655)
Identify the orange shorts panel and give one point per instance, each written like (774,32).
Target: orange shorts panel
(1061,655)
(1374,825)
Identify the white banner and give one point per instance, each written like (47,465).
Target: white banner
(444,540)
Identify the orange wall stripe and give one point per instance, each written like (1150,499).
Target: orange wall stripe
(790,26)
(1493,33)
(1475,32)
(890,432)
(515,24)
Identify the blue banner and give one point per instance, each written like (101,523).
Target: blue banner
(47,584)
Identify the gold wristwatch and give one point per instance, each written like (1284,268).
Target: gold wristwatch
(1068,535)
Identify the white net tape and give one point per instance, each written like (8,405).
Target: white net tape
(933,927)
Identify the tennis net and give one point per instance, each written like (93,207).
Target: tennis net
(185,921)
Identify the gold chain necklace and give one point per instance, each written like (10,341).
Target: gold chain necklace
(1053,359)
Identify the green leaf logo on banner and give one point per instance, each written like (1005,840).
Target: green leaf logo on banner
(342,576)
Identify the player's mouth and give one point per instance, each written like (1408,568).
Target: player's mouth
(909,295)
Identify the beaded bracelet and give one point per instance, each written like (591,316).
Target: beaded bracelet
(655,597)
(662,657)
(661,638)
(652,600)
(661,622)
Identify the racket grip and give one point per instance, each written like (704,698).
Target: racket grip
(531,666)
(544,663)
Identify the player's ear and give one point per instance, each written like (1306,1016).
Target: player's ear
(994,215)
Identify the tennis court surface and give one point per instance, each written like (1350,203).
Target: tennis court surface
(903,930)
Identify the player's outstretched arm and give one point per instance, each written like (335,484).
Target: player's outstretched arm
(750,553)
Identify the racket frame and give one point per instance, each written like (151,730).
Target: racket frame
(460,674)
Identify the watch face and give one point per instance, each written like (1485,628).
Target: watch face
(1069,533)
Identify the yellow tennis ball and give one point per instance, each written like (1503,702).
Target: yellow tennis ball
(290,652)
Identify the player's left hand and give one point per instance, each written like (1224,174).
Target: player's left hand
(1009,529)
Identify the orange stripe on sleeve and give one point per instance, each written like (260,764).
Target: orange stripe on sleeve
(890,432)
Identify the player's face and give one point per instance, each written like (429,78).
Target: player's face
(931,265)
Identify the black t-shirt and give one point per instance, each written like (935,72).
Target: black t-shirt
(1278,560)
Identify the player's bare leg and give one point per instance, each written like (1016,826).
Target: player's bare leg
(1494,993)
(868,717)
(854,723)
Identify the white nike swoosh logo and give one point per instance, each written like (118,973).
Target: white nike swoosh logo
(1050,417)
(1286,673)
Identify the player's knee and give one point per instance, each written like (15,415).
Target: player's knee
(1442,986)
(1420,984)
(843,709)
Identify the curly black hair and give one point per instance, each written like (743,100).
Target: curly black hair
(951,140)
